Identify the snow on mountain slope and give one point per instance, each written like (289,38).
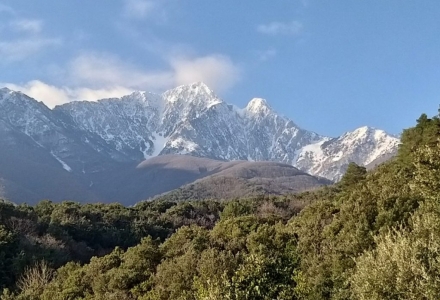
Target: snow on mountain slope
(271,136)
(197,122)
(189,119)
(127,124)
(330,158)
(57,135)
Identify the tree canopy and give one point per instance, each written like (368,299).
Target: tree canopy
(374,235)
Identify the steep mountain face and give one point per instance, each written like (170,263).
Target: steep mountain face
(330,157)
(191,119)
(273,137)
(89,143)
(73,149)
(42,154)
(126,125)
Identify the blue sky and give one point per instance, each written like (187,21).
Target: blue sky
(330,66)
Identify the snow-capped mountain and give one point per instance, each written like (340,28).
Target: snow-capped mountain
(190,120)
(84,137)
(71,147)
(329,157)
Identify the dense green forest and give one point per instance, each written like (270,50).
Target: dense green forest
(374,235)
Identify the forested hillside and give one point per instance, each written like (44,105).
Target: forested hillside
(374,235)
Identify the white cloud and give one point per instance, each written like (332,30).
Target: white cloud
(217,71)
(25,38)
(52,95)
(95,76)
(20,49)
(279,28)
(27,25)
(103,70)
(267,54)
(96,94)
(138,9)
(41,91)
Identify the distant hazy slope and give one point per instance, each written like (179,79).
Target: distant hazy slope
(29,174)
(152,177)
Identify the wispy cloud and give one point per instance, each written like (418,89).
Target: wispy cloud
(26,25)
(97,94)
(20,49)
(22,38)
(217,71)
(41,91)
(280,28)
(138,9)
(93,76)
(267,54)
(6,9)
(52,95)
(104,70)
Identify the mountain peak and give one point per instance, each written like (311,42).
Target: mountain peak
(365,132)
(258,105)
(196,93)
(199,85)
(191,119)
(193,88)
(5,89)
(12,96)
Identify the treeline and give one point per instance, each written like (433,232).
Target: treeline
(374,235)
(49,235)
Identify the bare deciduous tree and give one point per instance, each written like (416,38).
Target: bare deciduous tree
(35,278)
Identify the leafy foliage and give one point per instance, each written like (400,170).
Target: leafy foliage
(374,235)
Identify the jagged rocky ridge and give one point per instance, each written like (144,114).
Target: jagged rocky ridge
(191,119)
(86,136)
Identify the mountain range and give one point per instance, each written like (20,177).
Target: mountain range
(79,145)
